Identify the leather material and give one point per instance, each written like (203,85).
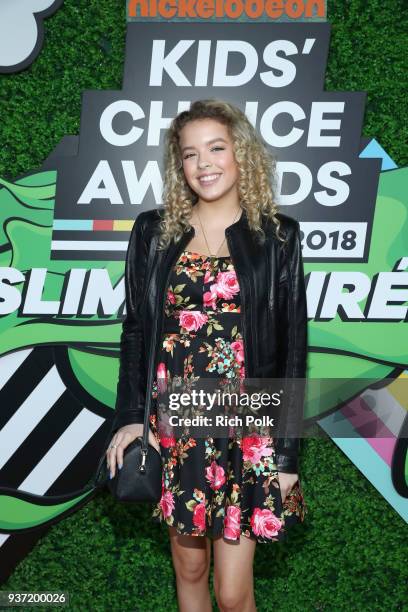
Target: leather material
(137,481)
(273,310)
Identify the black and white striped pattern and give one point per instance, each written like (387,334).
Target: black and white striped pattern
(51,432)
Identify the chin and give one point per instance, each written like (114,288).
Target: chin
(211,198)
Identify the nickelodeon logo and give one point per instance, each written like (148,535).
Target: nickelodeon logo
(232,9)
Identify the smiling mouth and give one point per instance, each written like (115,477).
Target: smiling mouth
(209,180)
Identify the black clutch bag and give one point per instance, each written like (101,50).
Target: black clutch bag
(140,479)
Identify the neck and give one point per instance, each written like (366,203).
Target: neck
(208,211)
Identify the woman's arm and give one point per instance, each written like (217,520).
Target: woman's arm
(131,387)
(293,327)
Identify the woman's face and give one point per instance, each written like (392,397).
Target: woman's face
(207,151)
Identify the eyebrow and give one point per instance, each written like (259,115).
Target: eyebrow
(209,142)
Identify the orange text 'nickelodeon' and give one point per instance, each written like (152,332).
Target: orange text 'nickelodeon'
(232,9)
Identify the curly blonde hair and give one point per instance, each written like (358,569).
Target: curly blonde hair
(256,171)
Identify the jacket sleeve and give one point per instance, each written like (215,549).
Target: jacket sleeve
(131,387)
(293,321)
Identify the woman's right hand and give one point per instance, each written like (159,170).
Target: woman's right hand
(122,438)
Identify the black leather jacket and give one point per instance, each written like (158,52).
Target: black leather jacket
(273,311)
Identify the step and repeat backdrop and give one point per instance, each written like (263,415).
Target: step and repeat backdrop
(65,227)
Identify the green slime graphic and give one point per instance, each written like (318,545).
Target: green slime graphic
(352,350)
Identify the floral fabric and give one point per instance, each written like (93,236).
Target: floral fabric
(214,486)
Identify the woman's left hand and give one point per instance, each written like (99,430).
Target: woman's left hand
(286,482)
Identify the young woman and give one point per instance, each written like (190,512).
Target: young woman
(214,282)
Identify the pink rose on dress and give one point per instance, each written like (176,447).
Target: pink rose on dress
(161,370)
(171,297)
(265,523)
(232,523)
(215,475)
(208,276)
(168,441)
(161,377)
(167,503)
(209,299)
(226,285)
(192,320)
(199,516)
(238,348)
(255,447)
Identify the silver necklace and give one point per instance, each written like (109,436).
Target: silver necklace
(205,238)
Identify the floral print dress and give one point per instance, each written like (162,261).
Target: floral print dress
(214,486)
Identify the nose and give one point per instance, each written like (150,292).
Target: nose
(203,164)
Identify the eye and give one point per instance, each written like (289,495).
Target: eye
(217,148)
